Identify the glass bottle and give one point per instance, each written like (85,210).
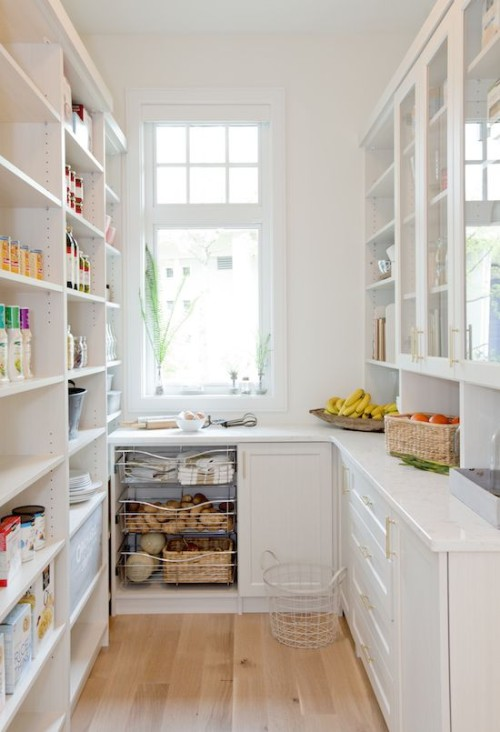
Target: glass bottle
(26,338)
(14,343)
(84,349)
(3,346)
(77,356)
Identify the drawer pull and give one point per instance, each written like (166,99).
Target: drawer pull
(388,549)
(345,480)
(367,501)
(365,551)
(366,602)
(366,651)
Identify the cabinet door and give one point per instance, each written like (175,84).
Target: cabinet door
(423,640)
(424,146)
(345,555)
(285,506)
(481,196)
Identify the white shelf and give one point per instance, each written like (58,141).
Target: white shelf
(85,371)
(20,471)
(38,722)
(438,116)
(385,235)
(14,701)
(20,190)
(80,159)
(79,512)
(21,387)
(86,596)
(81,227)
(20,582)
(113,364)
(20,99)
(383,187)
(86,641)
(21,283)
(385,284)
(84,438)
(383,364)
(77,296)
(486,65)
(111,196)
(112,305)
(114,415)
(112,251)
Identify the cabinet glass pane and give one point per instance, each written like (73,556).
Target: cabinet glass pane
(481,190)
(407,222)
(437,204)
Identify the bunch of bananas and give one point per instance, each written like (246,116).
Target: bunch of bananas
(359,405)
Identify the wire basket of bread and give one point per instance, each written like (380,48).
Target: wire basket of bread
(187,513)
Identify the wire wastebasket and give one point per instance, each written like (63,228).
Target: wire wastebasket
(304,602)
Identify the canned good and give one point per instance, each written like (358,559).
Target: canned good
(14,256)
(39,515)
(36,263)
(24,260)
(5,252)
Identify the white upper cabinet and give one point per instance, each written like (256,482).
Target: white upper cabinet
(424,212)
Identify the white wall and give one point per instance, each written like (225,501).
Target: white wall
(332,84)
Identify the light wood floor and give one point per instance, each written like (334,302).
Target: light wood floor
(222,673)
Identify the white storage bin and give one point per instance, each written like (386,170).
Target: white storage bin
(114,401)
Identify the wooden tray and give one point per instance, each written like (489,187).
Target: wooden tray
(346,423)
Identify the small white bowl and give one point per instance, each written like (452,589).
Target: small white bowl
(190,425)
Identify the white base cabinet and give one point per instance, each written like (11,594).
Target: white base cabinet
(285,506)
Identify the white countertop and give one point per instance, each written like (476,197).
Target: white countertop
(422,498)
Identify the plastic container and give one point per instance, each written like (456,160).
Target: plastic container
(303,603)
(75,403)
(114,401)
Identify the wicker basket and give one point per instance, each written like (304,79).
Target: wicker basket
(424,440)
(215,562)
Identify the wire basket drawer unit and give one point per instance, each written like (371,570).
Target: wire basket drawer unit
(212,466)
(177,516)
(180,560)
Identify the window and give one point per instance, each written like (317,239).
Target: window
(208,177)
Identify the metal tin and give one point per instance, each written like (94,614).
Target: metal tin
(39,513)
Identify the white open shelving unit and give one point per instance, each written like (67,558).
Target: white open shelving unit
(39,48)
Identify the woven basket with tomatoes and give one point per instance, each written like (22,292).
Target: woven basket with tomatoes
(429,437)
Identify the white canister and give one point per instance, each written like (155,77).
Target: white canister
(39,514)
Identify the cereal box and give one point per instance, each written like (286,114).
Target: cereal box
(16,629)
(10,550)
(40,598)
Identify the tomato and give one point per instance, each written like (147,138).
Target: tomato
(438,419)
(454,420)
(419,417)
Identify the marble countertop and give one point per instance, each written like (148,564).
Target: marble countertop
(422,499)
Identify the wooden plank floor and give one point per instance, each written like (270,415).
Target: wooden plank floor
(222,673)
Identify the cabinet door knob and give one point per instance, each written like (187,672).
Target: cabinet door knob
(367,501)
(366,602)
(365,551)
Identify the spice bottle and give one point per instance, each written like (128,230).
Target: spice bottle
(26,341)
(3,346)
(14,344)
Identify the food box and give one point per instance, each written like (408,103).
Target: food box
(82,126)
(40,598)
(85,556)
(10,548)
(490,22)
(16,629)
(424,440)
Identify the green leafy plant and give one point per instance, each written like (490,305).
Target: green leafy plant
(262,352)
(161,328)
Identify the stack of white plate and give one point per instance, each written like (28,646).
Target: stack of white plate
(81,486)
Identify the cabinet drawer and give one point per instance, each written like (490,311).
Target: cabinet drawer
(371,554)
(370,505)
(377,670)
(373,605)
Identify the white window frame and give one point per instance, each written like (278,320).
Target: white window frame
(145,105)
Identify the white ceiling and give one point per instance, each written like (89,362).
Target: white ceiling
(247,16)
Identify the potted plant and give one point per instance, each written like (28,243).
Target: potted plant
(160,328)
(262,352)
